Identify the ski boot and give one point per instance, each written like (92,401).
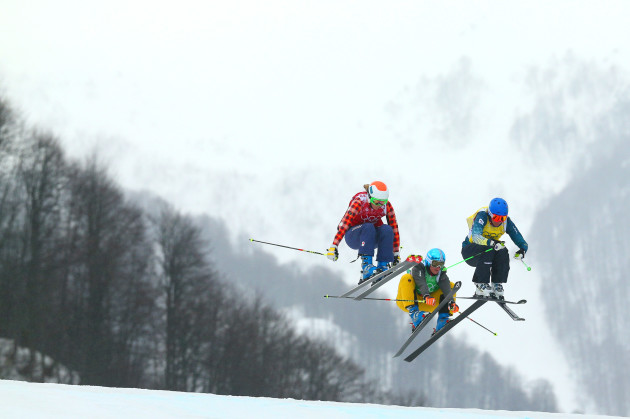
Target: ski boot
(416,316)
(368,270)
(443,318)
(497,291)
(381,267)
(482,290)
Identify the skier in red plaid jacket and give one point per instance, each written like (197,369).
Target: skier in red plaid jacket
(364,230)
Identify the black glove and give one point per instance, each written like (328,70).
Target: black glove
(520,254)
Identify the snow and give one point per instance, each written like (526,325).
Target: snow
(20,399)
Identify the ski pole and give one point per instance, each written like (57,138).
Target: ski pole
(528,268)
(380,299)
(481,325)
(449,267)
(288,247)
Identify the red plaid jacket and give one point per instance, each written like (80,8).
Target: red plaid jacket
(360,212)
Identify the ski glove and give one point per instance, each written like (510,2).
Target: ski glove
(453,307)
(333,253)
(429,300)
(498,245)
(416,315)
(520,254)
(396,258)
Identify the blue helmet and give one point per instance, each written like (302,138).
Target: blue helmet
(436,255)
(498,206)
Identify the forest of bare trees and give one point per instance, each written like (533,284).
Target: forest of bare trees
(123,298)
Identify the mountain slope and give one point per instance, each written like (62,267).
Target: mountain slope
(587,290)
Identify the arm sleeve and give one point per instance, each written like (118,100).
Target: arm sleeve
(477,229)
(445,283)
(515,235)
(418,274)
(346,220)
(391,221)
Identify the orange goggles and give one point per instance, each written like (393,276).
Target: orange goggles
(499,218)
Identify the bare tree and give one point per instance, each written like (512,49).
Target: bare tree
(10,207)
(39,184)
(108,296)
(7,120)
(188,283)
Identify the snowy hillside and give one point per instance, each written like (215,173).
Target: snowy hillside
(28,400)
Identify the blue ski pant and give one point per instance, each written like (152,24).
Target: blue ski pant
(495,264)
(365,238)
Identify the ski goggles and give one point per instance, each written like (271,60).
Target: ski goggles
(498,218)
(378,202)
(437,264)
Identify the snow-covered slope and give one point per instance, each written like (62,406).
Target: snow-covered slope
(28,400)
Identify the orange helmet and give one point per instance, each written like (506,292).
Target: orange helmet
(377,191)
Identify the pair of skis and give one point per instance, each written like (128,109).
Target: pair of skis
(428,318)
(382,278)
(503,304)
(479,301)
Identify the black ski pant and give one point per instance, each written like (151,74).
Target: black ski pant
(493,263)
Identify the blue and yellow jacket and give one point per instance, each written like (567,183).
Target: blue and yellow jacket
(481,231)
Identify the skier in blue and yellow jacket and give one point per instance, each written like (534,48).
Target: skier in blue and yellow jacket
(485,228)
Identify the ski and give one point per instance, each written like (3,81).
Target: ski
(448,326)
(510,312)
(494,299)
(406,264)
(389,274)
(428,317)
(502,303)
(358,287)
(402,266)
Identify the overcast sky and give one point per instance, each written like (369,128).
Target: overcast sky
(271,115)
(269,81)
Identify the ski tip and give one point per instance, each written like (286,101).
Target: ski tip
(414,258)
